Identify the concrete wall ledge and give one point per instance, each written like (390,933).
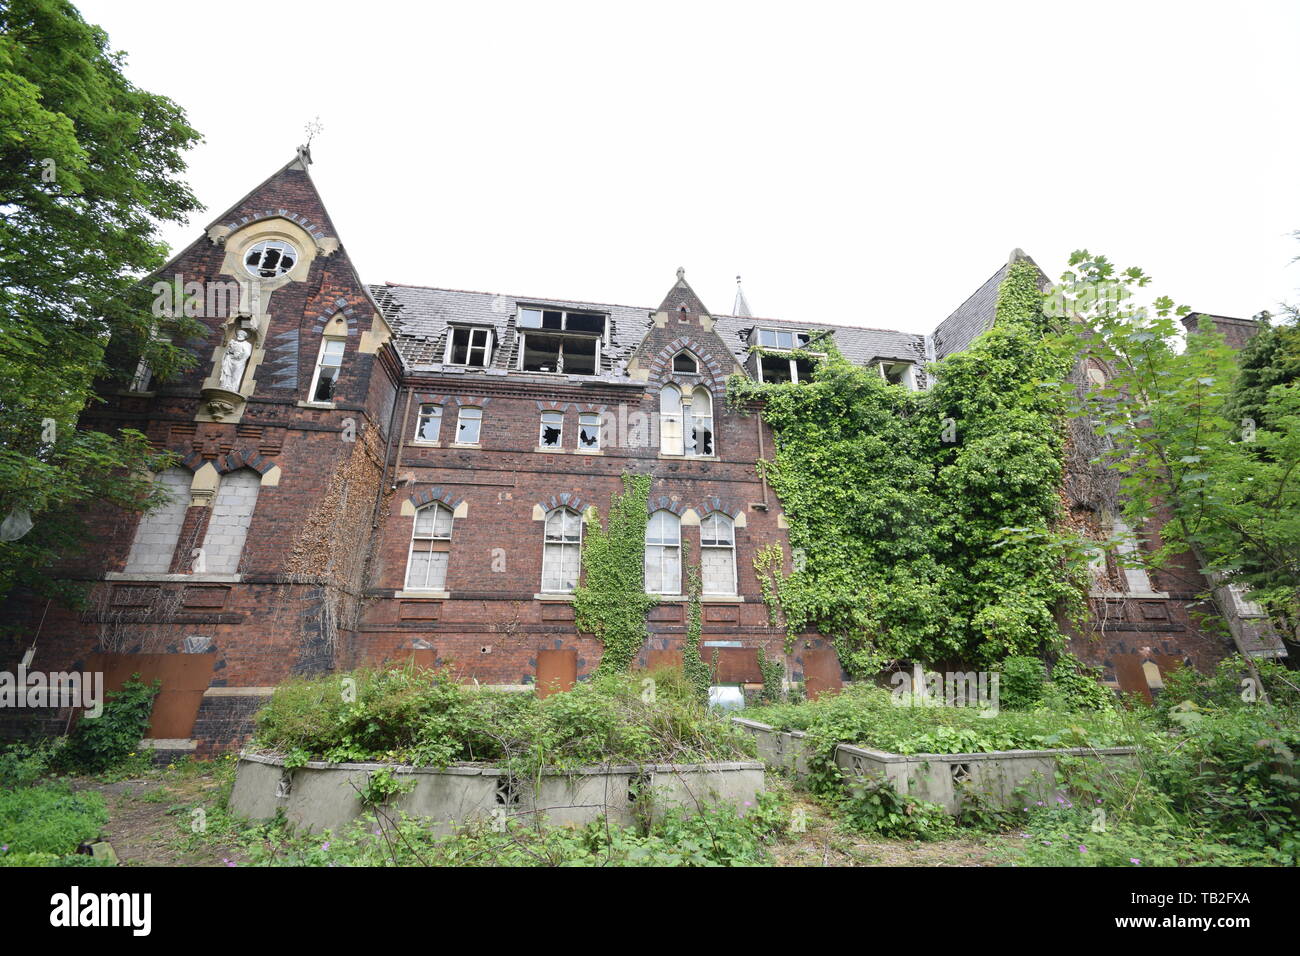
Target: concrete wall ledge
(320,796)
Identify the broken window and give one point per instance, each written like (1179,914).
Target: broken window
(560,341)
(270,258)
(426,570)
(561,548)
(670,420)
(775,369)
(685,362)
(328,367)
(429,424)
(468,424)
(718,554)
(552,430)
(561,320)
(780,369)
(701,430)
(898,373)
(663,549)
(589,431)
(472,347)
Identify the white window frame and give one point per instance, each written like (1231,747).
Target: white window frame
(420,416)
(434,538)
(798,342)
(321,366)
(474,332)
(909,377)
(589,420)
(717,518)
(561,546)
(662,547)
(552,419)
(689,424)
(562,337)
(672,436)
(462,417)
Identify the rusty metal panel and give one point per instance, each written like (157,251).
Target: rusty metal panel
(732,665)
(557,670)
(184,678)
(659,660)
(821,672)
(1128,672)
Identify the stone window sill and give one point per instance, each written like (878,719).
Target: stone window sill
(565,598)
(429,595)
(704,598)
(425,444)
(155,576)
(464,444)
(1130,595)
(322,405)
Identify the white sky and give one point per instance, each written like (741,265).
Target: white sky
(868,164)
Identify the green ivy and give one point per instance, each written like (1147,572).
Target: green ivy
(698,673)
(927,521)
(611,604)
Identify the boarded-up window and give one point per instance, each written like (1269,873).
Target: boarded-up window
(232,513)
(158,531)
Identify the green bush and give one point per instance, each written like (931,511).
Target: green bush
(1022,682)
(1079,685)
(48,819)
(23,763)
(424,717)
(101,743)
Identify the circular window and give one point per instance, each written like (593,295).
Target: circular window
(270,258)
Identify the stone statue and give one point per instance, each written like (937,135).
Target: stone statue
(234,361)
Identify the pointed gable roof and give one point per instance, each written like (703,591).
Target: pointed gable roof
(682,298)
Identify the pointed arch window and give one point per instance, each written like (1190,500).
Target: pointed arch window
(685,362)
(426,567)
(561,551)
(232,513)
(159,530)
(663,554)
(718,554)
(670,420)
(700,437)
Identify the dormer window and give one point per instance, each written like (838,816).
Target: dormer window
(774,368)
(471,347)
(899,373)
(559,340)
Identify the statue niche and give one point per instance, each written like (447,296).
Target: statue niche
(235,361)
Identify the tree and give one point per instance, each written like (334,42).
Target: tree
(1174,417)
(89,166)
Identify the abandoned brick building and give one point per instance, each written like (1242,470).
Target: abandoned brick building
(372,473)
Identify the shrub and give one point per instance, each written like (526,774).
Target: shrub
(48,819)
(101,743)
(22,764)
(1022,682)
(1079,685)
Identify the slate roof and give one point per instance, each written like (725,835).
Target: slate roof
(420,317)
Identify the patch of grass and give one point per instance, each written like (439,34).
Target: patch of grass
(48,820)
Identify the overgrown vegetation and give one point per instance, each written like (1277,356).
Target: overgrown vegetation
(925,521)
(101,743)
(43,825)
(611,602)
(423,717)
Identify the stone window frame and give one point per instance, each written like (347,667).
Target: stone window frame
(242,531)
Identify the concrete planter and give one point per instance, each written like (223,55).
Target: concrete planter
(322,796)
(945,779)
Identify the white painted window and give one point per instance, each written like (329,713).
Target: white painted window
(468,424)
(663,554)
(561,340)
(428,424)
(158,531)
(561,551)
(700,433)
(776,368)
(552,430)
(718,554)
(589,431)
(232,513)
(670,420)
(328,365)
(469,347)
(426,567)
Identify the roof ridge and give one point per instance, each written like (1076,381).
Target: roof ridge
(512,295)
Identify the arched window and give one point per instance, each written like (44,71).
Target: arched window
(159,530)
(685,362)
(701,436)
(718,554)
(232,512)
(426,568)
(561,551)
(670,420)
(663,554)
